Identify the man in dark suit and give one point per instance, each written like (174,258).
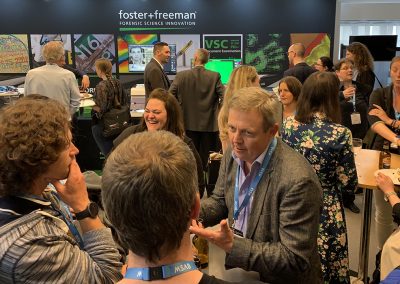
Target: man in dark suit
(270,195)
(301,70)
(154,75)
(199,92)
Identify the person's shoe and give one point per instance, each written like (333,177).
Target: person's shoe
(353,208)
(358,190)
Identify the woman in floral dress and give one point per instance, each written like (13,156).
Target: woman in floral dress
(316,133)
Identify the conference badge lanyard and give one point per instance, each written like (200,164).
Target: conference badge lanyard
(67,217)
(253,186)
(160,272)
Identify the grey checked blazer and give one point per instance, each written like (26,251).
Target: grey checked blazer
(281,242)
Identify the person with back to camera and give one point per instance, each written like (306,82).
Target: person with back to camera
(104,99)
(363,63)
(200,92)
(270,195)
(242,76)
(315,133)
(383,116)
(39,241)
(162,112)
(53,81)
(155,171)
(301,70)
(324,63)
(289,92)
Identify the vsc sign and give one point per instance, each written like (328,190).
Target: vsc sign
(222,46)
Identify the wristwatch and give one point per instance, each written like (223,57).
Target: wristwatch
(386,197)
(91,211)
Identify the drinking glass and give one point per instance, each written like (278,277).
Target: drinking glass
(357,145)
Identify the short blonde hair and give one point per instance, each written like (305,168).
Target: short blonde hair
(53,51)
(256,98)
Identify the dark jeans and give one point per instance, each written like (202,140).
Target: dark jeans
(105,144)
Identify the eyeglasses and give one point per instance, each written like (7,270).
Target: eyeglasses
(347,68)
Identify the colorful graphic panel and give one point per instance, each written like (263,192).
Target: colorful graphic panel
(186,46)
(14,53)
(266,52)
(316,44)
(131,39)
(90,47)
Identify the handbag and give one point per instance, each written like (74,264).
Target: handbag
(116,119)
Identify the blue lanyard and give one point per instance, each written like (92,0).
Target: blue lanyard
(253,184)
(160,272)
(67,216)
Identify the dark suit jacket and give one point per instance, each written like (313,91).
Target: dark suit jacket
(154,77)
(199,92)
(301,71)
(281,237)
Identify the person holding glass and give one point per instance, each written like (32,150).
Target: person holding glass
(315,133)
(353,98)
(384,115)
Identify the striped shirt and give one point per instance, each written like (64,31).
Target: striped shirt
(38,248)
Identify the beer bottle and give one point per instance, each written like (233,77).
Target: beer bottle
(385,156)
(201,245)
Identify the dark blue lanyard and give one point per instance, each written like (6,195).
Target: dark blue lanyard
(160,272)
(254,182)
(67,217)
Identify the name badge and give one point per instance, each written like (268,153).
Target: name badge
(238,233)
(355,118)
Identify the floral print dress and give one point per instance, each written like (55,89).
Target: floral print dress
(328,148)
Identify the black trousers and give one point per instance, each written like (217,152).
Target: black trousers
(205,142)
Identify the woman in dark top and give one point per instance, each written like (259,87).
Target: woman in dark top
(353,98)
(363,63)
(104,99)
(162,112)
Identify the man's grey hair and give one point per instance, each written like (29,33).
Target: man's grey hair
(203,55)
(256,98)
(149,188)
(53,51)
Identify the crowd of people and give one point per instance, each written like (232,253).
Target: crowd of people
(287,173)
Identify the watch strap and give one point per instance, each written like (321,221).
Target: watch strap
(88,212)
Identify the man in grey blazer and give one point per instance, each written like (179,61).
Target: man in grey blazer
(199,92)
(267,196)
(154,75)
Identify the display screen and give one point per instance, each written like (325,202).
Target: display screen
(140,55)
(382,47)
(223,66)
